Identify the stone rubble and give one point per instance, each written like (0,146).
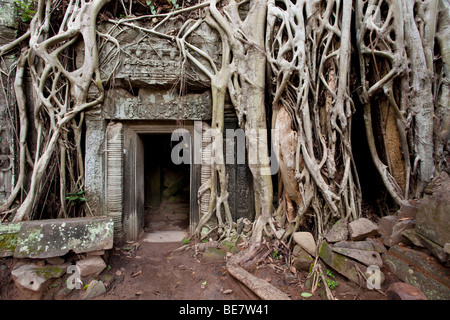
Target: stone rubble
(34,276)
(413,245)
(361,229)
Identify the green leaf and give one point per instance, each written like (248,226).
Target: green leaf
(204,283)
(306,294)
(148,2)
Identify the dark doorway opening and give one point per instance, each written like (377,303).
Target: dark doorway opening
(167,186)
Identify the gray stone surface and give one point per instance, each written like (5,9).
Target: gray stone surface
(56,237)
(360,245)
(338,232)
(155,62)
(366,257)
(386,225)
(306,241)
(8,238)
(413,237)
(345,266)
(408,209)
(361,229)
(8,25)
(420,270)
(94,163)
(155,105)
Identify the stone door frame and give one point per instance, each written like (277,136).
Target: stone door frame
(133,201)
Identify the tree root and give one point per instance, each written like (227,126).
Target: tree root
(260,287)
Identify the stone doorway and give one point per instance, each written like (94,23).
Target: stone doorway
(167,186)
(157,195)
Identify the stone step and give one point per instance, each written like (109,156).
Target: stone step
(420,270)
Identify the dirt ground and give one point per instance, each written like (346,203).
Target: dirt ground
(152,271)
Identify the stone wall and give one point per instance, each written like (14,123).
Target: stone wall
(8,33)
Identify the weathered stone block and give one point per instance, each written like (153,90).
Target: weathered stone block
(404,291)
(303,260)
(433,216)
(413,237)
(366,257)
(56,237)
(396,237)
(386,225)
(420,270)
(345,266)
(433,219)
(155,105)
(360,245)
(306,241)
(361,229)
(34,278)
(91,266)
(95,289)
(338,232)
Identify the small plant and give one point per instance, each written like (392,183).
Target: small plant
(75,197)
(276,255)
(151,6)
(185,241)
(25,10)
(332,284)
(174,4)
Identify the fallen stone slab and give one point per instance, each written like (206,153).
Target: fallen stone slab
(306,241)
(360,245)
(342,264)
(338,232)
(56,237)
(404,291)
(413,237)
(361,229)
(368,258)
(35,278)
(436,250)
(420,270)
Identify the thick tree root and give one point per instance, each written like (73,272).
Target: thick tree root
(260,287)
